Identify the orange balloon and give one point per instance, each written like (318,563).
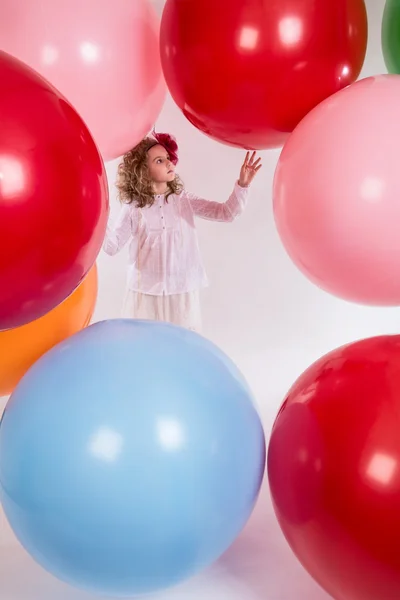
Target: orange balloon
(23,346)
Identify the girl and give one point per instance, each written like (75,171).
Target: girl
(165,269)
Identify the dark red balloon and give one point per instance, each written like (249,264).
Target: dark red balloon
(245,72)
(334,470)
(53,196)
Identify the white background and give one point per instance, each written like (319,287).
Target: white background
(270,320)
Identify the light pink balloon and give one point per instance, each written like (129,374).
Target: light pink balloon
(337,193)
(103,55)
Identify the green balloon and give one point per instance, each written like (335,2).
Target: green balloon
(391,35)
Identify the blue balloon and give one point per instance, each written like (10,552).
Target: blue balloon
(131,456)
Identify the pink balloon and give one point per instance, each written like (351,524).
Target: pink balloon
(103,55)
(337,193)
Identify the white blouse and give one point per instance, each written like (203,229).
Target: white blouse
(164,254)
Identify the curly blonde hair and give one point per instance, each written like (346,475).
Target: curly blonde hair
(133,182)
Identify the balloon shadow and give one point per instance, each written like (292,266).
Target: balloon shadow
(263,561)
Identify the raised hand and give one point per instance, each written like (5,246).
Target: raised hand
(249,169)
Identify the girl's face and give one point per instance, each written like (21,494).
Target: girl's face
(161,169)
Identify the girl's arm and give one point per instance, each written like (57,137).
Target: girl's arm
(220,211)
(236,203)
(118,234)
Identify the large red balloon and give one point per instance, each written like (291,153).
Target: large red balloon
(246,72)
(53,196)
(334,470)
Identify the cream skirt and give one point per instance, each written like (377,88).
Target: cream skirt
(179,309)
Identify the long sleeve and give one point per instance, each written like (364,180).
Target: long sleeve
(221,211)
(118,234)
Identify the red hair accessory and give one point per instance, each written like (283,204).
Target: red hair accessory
(169,143)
